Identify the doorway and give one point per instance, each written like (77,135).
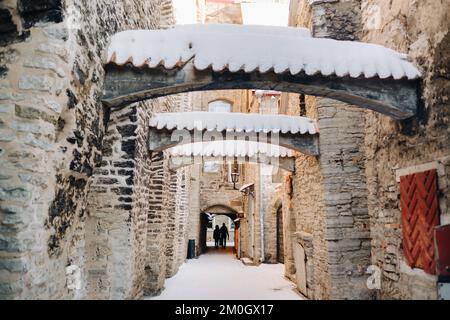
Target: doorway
(280,236)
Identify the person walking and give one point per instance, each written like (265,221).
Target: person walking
(223,236)
(216,236)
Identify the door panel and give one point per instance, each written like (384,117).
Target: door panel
(300,266)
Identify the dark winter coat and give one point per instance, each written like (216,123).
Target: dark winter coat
(216,234)
(224,232)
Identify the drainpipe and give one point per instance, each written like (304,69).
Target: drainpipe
(261,214)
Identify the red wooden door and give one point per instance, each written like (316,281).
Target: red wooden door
(442,238)
(420,215)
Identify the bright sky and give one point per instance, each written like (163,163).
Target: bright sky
(265,13)
(257,12)
(185,11)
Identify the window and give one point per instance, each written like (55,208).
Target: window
(211,167)
(219,106)
(216,106)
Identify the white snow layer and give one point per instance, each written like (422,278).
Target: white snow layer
(218,276)
(227,148)
(262,48)
(237,122)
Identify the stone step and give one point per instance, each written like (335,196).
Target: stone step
(248,262)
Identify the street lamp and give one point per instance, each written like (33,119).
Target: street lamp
(234,179)
(235,175)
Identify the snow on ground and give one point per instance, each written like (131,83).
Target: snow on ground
(219,275)
(210,244)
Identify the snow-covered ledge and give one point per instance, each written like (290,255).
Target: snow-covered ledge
(147,64)
(168,130)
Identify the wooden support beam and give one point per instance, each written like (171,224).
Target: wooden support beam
(126,84)
(288,163)
(160,140)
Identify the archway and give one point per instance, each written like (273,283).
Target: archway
(220,105)
(280,235)
(218,214)
(199,57)
(388,93)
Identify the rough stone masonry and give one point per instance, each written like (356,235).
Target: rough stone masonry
(74,175)
(365,153)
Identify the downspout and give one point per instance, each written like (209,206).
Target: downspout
(261,214)
(261,211)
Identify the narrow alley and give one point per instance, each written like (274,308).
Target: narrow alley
(310,137)
(218,275)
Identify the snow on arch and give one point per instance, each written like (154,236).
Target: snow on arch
(234,121)
(229,148)
(257,48)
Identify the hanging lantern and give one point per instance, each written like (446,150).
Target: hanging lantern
(235,174)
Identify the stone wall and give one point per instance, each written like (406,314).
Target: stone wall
(271,203)
(156,264)
(421,30)
(328,202)
(259,233)
(209,189)
(194,207)
(216,190)
(392,148)
(168,212)
(56,140)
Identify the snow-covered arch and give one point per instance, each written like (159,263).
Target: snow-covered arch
(148,64)
(216,133)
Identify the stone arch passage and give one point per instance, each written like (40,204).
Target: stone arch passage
(201,57)
(221,130)
(127,84)
(286,163)
(280,235)
(214,210)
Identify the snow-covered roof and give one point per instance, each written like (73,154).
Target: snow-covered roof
(237,122)
(257,48)
(227,148)
(267,93)
(246,186)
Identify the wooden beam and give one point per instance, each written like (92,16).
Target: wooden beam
(160,140)
(126,84)
(287,163)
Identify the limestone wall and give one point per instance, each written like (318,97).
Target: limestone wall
(328,200)
(272,200)
(421,30)
(212,188)
(56,140)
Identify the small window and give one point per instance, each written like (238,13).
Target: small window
(211,167)
(216,106)
(219,106)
